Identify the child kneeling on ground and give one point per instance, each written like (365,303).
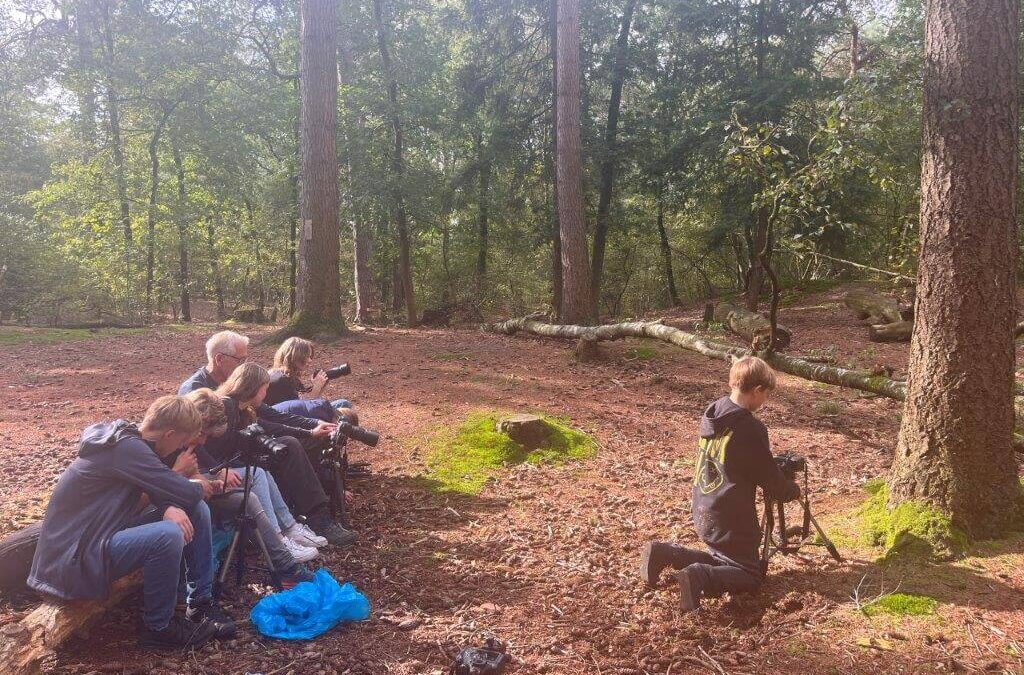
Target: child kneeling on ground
(733,458)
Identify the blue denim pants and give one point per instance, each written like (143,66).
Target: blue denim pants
(157,546)
(316,408)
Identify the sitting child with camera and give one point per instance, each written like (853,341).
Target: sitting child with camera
(288,394)
(733,459)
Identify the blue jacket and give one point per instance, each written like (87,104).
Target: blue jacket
(95,497)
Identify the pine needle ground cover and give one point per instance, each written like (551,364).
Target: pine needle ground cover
(463,459)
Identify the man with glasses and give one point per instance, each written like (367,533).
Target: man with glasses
(295,474)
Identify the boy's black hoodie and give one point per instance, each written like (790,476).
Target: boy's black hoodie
(733,458)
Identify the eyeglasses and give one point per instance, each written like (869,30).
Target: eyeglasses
(240,359)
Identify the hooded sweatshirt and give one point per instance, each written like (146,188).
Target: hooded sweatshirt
(734,458)
(95,497)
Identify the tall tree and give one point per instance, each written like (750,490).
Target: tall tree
(556,246)
(182,218)
(576,299)
(318,291)
(404,271)
(610,158)
(955,443)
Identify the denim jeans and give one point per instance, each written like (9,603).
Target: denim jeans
(315,408)
(265,488)
(157,546)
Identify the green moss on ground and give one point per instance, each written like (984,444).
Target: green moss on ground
(642,353)
(464,459)
(912,529)
(18,335)
(901,604)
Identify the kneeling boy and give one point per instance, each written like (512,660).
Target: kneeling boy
(733,458)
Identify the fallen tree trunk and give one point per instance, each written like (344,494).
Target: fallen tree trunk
(861,380)
(30,645)
(876,308)
(750,325)
(891,332)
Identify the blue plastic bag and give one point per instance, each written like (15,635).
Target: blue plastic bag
(310,609)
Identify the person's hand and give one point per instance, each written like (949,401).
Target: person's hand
(186,464)
(319,384)
(323,430)
(208,486)
(231,479)
(180,518)
(217,486)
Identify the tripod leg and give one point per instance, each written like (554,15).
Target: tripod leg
(226,565)
(339,495)
(275,577)
(829,546)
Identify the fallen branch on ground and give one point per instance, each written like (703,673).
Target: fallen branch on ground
(861,380)
(750,325)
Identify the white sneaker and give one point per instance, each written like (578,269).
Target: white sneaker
(299,552)
(302,535)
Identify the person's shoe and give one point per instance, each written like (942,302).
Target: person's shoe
(210,612)
(299,552)
(653,560)
(302,535)
(335,534)
(689,590)
(295,576)
(178,634)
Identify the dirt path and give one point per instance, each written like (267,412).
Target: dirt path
(545,558)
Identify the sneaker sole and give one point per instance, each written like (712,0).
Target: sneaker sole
(687,601)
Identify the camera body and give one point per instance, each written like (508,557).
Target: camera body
(335,372)
(346,430)
(790,464)
(259,447)
(490,659)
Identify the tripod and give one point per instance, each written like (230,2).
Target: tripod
(245,527)
(334,461)
(786,542)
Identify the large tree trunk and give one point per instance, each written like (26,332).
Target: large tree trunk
(218,280)
(955,443)
(397,166)
(556,236)
(483,216)
(750,325)
(666,251)
(117,148)
(154,192)
(293,220)
(317,288)
(611,155)
(577,303)
(183,224)
(87,108)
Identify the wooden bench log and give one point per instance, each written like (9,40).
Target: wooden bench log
(30,645)
(750,325)
(891,332)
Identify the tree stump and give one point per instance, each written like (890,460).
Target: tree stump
(529,431)
(873,307)
(586,349)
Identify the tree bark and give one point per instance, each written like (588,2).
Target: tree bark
(954,451)
(218,280)
(861,380)
(483,215)
(183,225)
(117,148)
(556,237)
(317,288)
(749,325)
(666,251)
(577,302)
(88,109)
(397,166)
(611,155)
(154,192)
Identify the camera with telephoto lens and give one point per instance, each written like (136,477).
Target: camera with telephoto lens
(346,430)
(790,464)
(259,446)
(490,659)
(335,372)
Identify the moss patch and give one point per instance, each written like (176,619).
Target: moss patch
(901,604)
(912,529)
(17,335)
(642,353)
(464,459)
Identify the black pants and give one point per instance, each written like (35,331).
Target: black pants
(716,575)
(297,477)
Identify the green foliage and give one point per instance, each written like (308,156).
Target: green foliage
(901,604)
(828,408)
(14,335)
(911,530)
(464,459)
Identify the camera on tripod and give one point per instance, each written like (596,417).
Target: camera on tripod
(334,463)
(259,446)
(346,430)
(790,464)
(776,537)
(335,372)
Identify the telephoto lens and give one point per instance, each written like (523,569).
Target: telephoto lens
(347,430)
(338,371)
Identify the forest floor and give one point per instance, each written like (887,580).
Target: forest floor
(544,558)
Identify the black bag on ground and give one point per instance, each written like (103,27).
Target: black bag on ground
(490,659)
(16,552)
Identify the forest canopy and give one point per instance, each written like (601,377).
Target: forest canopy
(149,151)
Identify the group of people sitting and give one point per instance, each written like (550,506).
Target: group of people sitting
(149,495)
